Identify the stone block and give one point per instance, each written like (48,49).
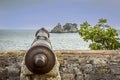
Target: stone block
(68,76)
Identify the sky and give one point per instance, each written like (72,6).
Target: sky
(34,14)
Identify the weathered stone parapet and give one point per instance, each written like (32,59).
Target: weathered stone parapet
(74,64)
(89,65)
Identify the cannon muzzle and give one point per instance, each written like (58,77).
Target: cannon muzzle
(40,58)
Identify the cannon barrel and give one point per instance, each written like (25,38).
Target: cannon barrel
(40,58)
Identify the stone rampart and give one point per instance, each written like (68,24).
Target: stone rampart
(74,64)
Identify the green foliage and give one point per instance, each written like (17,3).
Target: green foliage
(68,26)
(102,36)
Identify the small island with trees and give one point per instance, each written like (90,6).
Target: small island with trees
(67,28)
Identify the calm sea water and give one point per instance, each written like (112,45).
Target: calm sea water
(22,39)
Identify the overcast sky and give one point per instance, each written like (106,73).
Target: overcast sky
(33,14)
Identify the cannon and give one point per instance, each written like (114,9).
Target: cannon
(40,58)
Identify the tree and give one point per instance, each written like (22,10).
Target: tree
(68,26)
(102,36)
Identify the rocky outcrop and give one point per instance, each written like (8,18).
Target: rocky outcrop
(57,29)
(67,28)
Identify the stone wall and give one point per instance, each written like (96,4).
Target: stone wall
(74,64)
(89,65)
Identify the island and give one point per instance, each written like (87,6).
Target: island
(67,28)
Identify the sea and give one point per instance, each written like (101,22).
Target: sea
(22,40)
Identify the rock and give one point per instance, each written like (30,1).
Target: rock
(79,77)
(87,68)
(19,59)
(78,74)
(3,62)
(68,76)
(115,70)
(13,71)
(57,29)
(3,74)
(14,78)
(99,62)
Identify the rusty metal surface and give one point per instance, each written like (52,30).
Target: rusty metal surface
(40,58)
